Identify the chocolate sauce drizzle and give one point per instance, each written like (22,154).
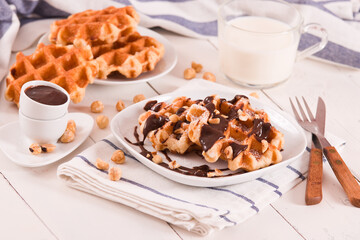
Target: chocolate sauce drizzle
(153,122)
(261,130)
(237,148)
(198,171)
(149,105)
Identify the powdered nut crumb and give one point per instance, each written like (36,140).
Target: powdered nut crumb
(209,76)
(35,149)
(97,107)
(68,136)
(139,98)
(101,164)
(196,66)
(189,73)
(115,174)
(120,105)
(102,121)
(118,157)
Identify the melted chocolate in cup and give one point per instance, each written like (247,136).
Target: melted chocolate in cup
(46,95)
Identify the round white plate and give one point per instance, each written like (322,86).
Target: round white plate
(124,122)
(16,147)
(164,66)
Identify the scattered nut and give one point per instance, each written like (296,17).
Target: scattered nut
(148,155)
(35,149)
(209,76)
(173,165)
(157,159)
(68,136)
(255,95)
(47,148)
(218,172)
(71,125)
(139,98)
(118,157)
(97,107)
(196,66)
(102,165)
(189,73)
(120,105)
(102,121)
(228,151)
(214,120)
(264,145)
(242,115)
(115,174)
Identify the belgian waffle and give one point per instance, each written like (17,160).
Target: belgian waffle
(229,130)
(130,55)
(101,25)
(67,66)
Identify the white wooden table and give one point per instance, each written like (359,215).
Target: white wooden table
(36,205)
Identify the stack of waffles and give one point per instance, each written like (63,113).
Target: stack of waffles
(84,46)
(229,130)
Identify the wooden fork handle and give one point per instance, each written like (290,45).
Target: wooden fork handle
(313,194)
(343,174)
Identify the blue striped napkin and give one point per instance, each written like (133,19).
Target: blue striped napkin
(192,18)
(199,210)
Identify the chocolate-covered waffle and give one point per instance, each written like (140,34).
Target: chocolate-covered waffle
(229,130)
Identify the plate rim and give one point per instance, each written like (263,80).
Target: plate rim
(61,156)
(144,31)
(206,182)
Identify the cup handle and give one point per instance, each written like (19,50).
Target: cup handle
(322,33)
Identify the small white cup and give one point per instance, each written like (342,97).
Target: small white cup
(43,131)
(39,111)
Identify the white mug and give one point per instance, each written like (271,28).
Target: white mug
(258,41)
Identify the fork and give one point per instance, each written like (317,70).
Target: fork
(317,127)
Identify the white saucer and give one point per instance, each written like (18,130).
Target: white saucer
(16,147)
(164,66)
(122,126)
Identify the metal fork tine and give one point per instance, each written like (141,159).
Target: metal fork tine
(295,111)
(305,118)
(308,110)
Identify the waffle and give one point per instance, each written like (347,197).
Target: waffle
(101,25)
(67,66)
(130,55)
(229,130)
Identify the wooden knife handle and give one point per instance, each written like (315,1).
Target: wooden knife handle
(343,174)
(313,193)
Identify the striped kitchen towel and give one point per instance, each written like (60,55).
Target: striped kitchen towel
(194,18)
(197,209)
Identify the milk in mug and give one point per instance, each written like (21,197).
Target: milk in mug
(257,50)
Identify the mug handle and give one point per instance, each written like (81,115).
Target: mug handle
(313,28)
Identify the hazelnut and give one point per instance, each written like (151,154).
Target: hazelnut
(115,174)
(139,98)
(209,76)
(35,149)
(102,165)
(71,125)
(255,95)
(189,73)
(120,105)
(68,136)
(157,159)
(97,107)
(214,120)
(102,121)
(47,148)
(173,165)
(118,157)
(196,66)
